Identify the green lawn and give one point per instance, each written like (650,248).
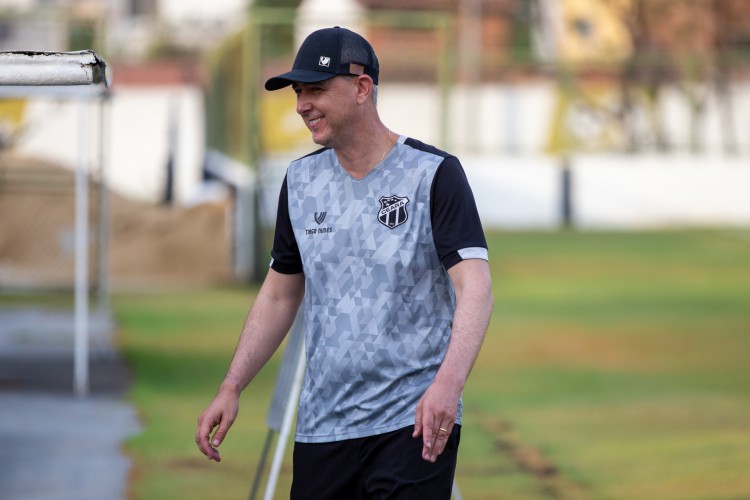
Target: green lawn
(616,367)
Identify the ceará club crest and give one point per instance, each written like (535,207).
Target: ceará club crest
(393,210)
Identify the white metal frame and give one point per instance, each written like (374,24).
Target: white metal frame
(75,75)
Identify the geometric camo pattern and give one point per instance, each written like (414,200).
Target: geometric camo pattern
(378,302)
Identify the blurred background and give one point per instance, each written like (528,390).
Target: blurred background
(590,114)
(607,145)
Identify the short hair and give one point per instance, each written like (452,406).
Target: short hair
(373,94)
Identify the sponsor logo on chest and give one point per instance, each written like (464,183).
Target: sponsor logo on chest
(319,217)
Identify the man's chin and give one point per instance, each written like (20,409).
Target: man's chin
(321,141)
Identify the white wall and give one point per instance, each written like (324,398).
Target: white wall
(521,190)
(140,130)
(656,192)
(612,192)
(608,192)
(519,119)
(137,138)
(500,133)
(515,192)
(177,11)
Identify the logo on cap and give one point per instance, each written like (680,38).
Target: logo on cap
(324,61)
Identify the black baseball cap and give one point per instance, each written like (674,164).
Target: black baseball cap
(326,53)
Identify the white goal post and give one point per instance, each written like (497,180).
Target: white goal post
(78,75)
(48,69)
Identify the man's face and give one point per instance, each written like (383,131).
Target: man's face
(326,108)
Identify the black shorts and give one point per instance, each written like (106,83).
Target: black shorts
(376,467)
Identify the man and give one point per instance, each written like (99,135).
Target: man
(380,235)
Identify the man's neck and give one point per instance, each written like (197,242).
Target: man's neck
(360,156)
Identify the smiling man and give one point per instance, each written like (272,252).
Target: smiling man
(378,238)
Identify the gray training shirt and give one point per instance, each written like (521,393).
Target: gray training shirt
(378,300)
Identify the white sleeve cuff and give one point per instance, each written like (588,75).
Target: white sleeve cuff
(473,253)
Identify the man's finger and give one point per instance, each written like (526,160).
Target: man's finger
(208,450)
(418,421)
(441,439)
(220,433)
(205,426)
(443,431)
(202,434)
(427,436)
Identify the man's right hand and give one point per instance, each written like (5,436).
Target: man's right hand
(268,321)
(222,412)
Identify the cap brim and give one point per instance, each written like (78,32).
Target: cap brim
(297,75)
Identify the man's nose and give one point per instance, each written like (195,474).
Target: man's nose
(303,105)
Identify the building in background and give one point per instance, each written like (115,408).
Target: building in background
(120,29)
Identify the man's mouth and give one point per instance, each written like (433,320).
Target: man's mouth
(314,121)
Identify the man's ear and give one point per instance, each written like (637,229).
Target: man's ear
(364,88)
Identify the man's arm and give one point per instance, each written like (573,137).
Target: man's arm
(268,321)
(439,405)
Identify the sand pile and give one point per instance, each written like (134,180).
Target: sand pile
(149,244)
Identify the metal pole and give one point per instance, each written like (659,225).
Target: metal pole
(470,12)
(62,73)
(103,252)
(445,74)
(291,406)
(455,492)
(80,361)
(261,464)
(566,195)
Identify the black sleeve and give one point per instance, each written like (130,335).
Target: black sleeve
(456,227)
(285,256)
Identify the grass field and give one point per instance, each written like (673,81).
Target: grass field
(617,366)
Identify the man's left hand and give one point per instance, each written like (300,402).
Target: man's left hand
(436,415)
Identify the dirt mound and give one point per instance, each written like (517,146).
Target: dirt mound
(149,244)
